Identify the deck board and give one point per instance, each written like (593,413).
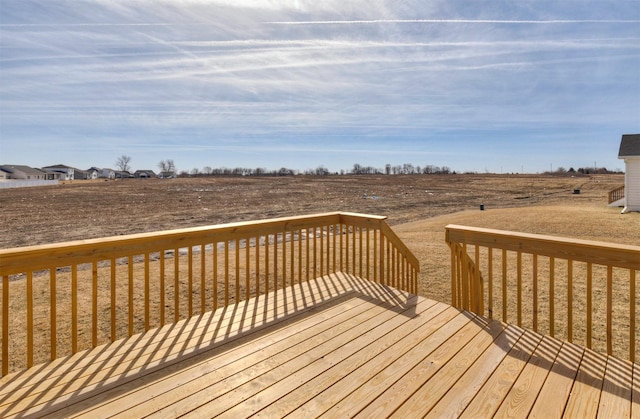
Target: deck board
(557,387)
(335,346)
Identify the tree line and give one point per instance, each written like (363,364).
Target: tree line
(405,169)
(169,167)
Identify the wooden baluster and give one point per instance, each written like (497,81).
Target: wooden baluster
(455,291)
(395,257)
(466,285)
(203,279)
(570,300)
(405,281)
(307,260)
(266,263)
(256,241)
(375,255)
(381,251)
(275,261)
(5,325)
(215,275)
(504,285)
(400,271)
(94,303)
(130,268)
(226,273)
(147,291)
(258,292)
(480,289)
(53,305)
(299,256)
(388,262)
(519,288)
(552,318)
(490,281)
(292,254)
(609,309)
(321,251)
(335,248)
(237,249)
(74,309)
(368,253)
(346,247)
(29,319)
(113,299)
(589,304)
(162,288)
(353,249)
(247,262)
(535,292)
(190,280)
(632,314)
(176,285)
(315,253)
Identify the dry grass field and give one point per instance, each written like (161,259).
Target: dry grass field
(418,207)
(82,210)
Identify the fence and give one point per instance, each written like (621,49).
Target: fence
(616,194)
(60,298)
(8,184)
(583,291)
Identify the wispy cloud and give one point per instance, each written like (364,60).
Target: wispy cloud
(215,79)
(457,21)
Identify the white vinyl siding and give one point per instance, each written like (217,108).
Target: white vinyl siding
(632,183)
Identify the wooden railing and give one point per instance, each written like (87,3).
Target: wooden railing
(616,194)
(581,291)
(60,298)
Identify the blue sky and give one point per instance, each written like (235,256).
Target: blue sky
(474,85)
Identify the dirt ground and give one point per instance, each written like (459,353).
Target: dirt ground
(84,209)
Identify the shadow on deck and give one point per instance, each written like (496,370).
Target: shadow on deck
(334,346)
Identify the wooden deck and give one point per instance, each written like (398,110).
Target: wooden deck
(336,346)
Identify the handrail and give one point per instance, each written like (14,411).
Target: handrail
(83,293)
(616,194)
(589,269)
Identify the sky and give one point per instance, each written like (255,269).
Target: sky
(486,86)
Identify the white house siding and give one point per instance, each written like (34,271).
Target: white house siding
(632,183)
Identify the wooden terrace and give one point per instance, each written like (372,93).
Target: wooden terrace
(340,343)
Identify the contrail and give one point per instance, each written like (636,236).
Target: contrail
(73,25)
(485,21)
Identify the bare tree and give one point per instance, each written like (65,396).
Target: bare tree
(167,166)
(123,163)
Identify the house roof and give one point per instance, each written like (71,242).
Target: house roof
(629,146)
(58,166)
(11,168)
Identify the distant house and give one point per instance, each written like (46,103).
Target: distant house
(106,174)
(122,174)
(166,175)
(92,173)
(81,175)
(17,172)
(61,172)
(144,174)
(630,152)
